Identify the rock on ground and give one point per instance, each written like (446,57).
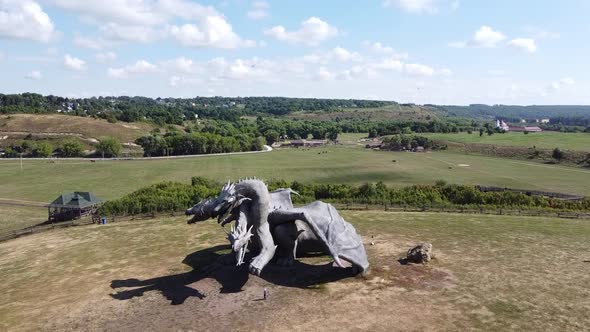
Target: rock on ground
(422,253)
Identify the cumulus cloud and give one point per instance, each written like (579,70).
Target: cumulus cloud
(135,12)
(525,44)
(147,21)
(485,37)
(106,57)
(140,67)
(35,75)
(213,31)
(336,54)
(92,43)
(74,63)
(25,19)
(115,32)
(259,10)
(312,32)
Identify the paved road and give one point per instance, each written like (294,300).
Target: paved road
(266,149)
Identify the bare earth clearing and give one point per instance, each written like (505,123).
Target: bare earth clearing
(491,272)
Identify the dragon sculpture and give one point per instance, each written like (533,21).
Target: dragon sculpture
(268,224)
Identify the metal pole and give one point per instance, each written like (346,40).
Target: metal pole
(21,162)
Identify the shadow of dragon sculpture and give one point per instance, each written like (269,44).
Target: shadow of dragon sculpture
(268,226)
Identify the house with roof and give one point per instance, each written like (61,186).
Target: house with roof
(73,205)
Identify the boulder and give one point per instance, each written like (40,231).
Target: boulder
(422,253)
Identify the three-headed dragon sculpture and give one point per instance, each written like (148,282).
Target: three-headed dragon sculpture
(268,225)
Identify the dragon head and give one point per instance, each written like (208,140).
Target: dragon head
(239,238)
(224,206)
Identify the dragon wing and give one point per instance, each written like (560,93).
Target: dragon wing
(339,236)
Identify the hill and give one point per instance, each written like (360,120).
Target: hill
(59,126)
(388,112)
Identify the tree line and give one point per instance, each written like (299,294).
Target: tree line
(172,196)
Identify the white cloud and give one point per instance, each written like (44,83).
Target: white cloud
(132,33)
(336,54)
(377,47)
(484,37)
(106,57)
(92,43)
(74,63)
(487,37)
(25,19)
(259,10)
(390,64)
(525,44)
(140,67)
(147,21)
(213,31)
(182,65)
(35,75)
(135,12)
(312,32)
(416,69)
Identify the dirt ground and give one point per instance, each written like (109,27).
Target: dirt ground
(133,276)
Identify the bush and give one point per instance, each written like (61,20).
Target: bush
(71,149)
(170,196)
(43,150)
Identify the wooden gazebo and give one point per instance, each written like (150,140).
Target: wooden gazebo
(74,205)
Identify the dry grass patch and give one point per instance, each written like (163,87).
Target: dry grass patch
(491,272)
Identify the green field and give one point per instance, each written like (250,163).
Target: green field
(546,140)
(42,181)
(491,273)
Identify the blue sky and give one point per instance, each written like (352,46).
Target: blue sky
(423,51)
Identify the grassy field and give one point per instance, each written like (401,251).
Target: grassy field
(491,273)
(43,181)
(351,138)
(547,140)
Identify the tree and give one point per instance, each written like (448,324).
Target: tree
(557,154)
(271,136)
(109,147)
(480,132)
(72,149)
(333,133)
(43,150)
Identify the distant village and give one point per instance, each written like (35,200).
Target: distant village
(500,124)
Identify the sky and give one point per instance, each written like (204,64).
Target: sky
(421,51)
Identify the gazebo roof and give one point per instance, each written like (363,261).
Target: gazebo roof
(75,200)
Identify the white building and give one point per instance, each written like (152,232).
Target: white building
(500,124)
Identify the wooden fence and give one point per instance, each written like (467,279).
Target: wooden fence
(339,206)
